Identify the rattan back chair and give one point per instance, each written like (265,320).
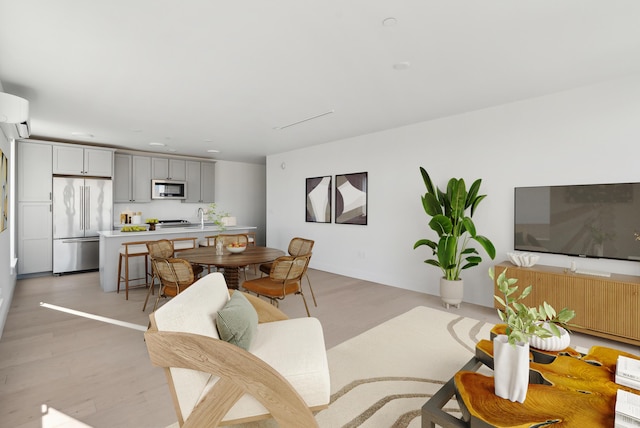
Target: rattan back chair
(175,276)
(297,247)
(284,279)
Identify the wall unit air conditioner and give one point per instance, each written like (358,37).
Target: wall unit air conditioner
(14,116)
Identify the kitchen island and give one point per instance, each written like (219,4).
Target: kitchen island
(111,240)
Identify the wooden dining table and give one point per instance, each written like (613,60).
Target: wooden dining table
(230,262)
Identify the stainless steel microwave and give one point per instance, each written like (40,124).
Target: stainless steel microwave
(168,189)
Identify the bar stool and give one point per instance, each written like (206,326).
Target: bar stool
(128,250)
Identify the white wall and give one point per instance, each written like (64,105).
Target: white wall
(588,135)
(7,274)
(239,190)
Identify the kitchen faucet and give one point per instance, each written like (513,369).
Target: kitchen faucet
(201,215)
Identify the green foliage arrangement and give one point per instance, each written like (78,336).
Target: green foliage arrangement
(215,216)
(455,229)
(151,221)
(523,321)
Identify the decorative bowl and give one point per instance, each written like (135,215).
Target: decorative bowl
(236,250)
(523,259)
(553,343)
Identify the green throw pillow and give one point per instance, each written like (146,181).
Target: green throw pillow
(237,322)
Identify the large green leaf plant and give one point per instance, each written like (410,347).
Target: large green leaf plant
(455,229)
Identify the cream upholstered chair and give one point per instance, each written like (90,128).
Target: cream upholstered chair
(283,373)
(297,247)
(284,279)
(127,251)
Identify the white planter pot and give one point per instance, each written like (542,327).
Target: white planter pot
(552,343)
(510,369)
(451,292)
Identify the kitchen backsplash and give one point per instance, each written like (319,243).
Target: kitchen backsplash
(163,210)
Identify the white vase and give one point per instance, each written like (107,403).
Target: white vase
(510,369)
(553,343)
(451,292)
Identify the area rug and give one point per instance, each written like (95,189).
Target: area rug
(382,377)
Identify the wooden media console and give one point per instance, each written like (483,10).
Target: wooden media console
(605,306)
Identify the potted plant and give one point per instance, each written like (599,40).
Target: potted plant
(216,217)
(524,323)
(455,229)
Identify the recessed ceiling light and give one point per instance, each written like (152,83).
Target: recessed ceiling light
(389,22)
(213,151)
(171,150)
(405,65)
(153,143)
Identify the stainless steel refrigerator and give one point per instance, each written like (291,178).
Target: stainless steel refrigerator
(81,208)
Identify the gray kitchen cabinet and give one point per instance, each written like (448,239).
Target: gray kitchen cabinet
(79,160)
(34,220)
(35,237)
(208,181)
(34,172)
(168,169)
(200,182)
(131,178)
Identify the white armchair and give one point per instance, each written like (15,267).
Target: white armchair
(283,373)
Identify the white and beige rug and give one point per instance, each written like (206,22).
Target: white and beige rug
(382,377)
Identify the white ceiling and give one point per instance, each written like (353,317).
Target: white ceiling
(208,74)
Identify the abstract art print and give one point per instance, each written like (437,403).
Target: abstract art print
(351,198)
(318,199)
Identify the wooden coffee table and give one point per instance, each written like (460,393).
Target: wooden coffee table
(230,262)
(572,389)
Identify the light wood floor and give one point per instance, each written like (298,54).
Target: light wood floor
(54,363)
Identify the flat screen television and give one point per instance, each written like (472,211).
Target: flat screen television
(594,220)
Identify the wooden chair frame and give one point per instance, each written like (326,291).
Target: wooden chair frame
(240,373)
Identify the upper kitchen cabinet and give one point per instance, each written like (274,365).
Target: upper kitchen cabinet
(78,160)
(34,172)
(168,169)
(131,178)
(200,182)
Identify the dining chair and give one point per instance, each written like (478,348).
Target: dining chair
(284,279)
(163,249)
(229,238)
(297,247)
(175,276)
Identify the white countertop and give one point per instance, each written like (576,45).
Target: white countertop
(173,230)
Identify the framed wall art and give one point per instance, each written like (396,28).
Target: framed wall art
(351,198)
(318,202)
